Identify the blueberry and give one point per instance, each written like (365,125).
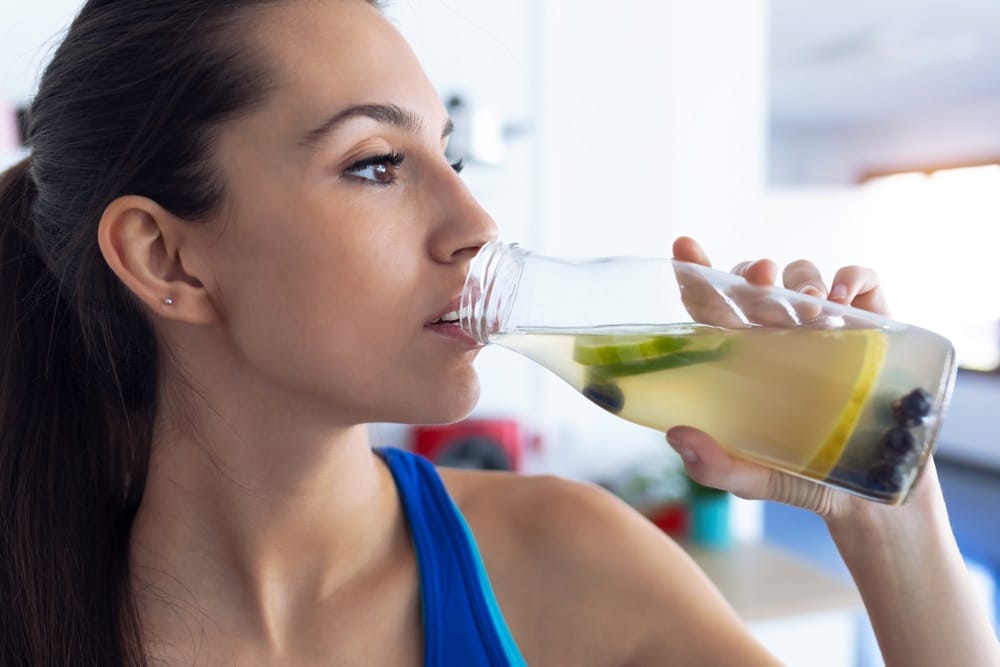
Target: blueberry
(898,444)
(884,478)
(911,409)
(607,395)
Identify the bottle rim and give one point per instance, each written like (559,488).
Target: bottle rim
(490,289)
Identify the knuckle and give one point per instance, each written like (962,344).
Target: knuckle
(858,271)
(853,268)
(801,271)
(742,267)
(800,265)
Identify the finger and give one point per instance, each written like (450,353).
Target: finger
(758,305)
(687,249)
(859,286)
(803,276)
(757,272)
(708,464)
(702,300)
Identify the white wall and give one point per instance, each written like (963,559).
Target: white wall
(28,33)
(654,123)
(652,126)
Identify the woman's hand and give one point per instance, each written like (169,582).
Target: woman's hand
(903,558)
(705,461)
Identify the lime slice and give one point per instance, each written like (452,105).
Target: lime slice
(600,350)
(863,352)
(611,356)
(661,363)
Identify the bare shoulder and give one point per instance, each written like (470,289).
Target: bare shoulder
(558,518)
(584,579)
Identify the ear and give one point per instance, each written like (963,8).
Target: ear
(140,241)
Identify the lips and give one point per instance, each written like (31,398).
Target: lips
(450,317)
(447,323)
(451,313)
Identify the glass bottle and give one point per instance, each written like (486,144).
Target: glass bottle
(828,392)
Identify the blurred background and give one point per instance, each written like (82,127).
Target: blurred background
(855,132)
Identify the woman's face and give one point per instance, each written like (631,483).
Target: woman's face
(346,232)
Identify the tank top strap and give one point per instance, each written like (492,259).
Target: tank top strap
(463,624)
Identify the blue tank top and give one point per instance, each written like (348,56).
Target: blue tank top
(463,625)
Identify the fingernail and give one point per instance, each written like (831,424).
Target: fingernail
(685,452)
(688,455)
(810,290)
(839,292)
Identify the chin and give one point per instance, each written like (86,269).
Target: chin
(458,408)
(444,406)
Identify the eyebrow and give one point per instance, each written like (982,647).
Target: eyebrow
(387,114)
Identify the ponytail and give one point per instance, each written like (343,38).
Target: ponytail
(67,498)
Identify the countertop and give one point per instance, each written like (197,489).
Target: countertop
(763,582)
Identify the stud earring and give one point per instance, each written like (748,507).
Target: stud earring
(168,301)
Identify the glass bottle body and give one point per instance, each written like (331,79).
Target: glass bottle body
(835,394)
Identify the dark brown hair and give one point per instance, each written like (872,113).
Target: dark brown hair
(128,105)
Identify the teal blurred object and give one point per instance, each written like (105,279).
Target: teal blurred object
(709,516)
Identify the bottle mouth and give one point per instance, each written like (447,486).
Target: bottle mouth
(490,288)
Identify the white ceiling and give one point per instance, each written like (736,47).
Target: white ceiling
(833,62)
(848,62)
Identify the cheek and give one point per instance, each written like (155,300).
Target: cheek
(334,315)
(314,358)
(360,375)
(305,332)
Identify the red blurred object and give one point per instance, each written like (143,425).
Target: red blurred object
(671,519)
(483,444)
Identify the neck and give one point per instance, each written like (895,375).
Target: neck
(259,516)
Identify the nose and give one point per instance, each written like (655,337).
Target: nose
(464,225)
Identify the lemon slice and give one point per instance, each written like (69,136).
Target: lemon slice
(790,397)
(869,348)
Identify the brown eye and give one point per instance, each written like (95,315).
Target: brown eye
(383,173)
(380,169)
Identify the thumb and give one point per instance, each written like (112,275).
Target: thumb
(708,464)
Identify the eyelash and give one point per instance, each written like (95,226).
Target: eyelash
(394,160)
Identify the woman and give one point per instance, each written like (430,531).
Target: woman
(227,253)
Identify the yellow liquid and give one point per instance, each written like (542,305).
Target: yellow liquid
(813,403)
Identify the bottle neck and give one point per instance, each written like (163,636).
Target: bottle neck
(490,289)
(511,290)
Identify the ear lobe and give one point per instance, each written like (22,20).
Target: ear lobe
(138,240)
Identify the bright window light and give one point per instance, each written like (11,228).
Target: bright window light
(939,236)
